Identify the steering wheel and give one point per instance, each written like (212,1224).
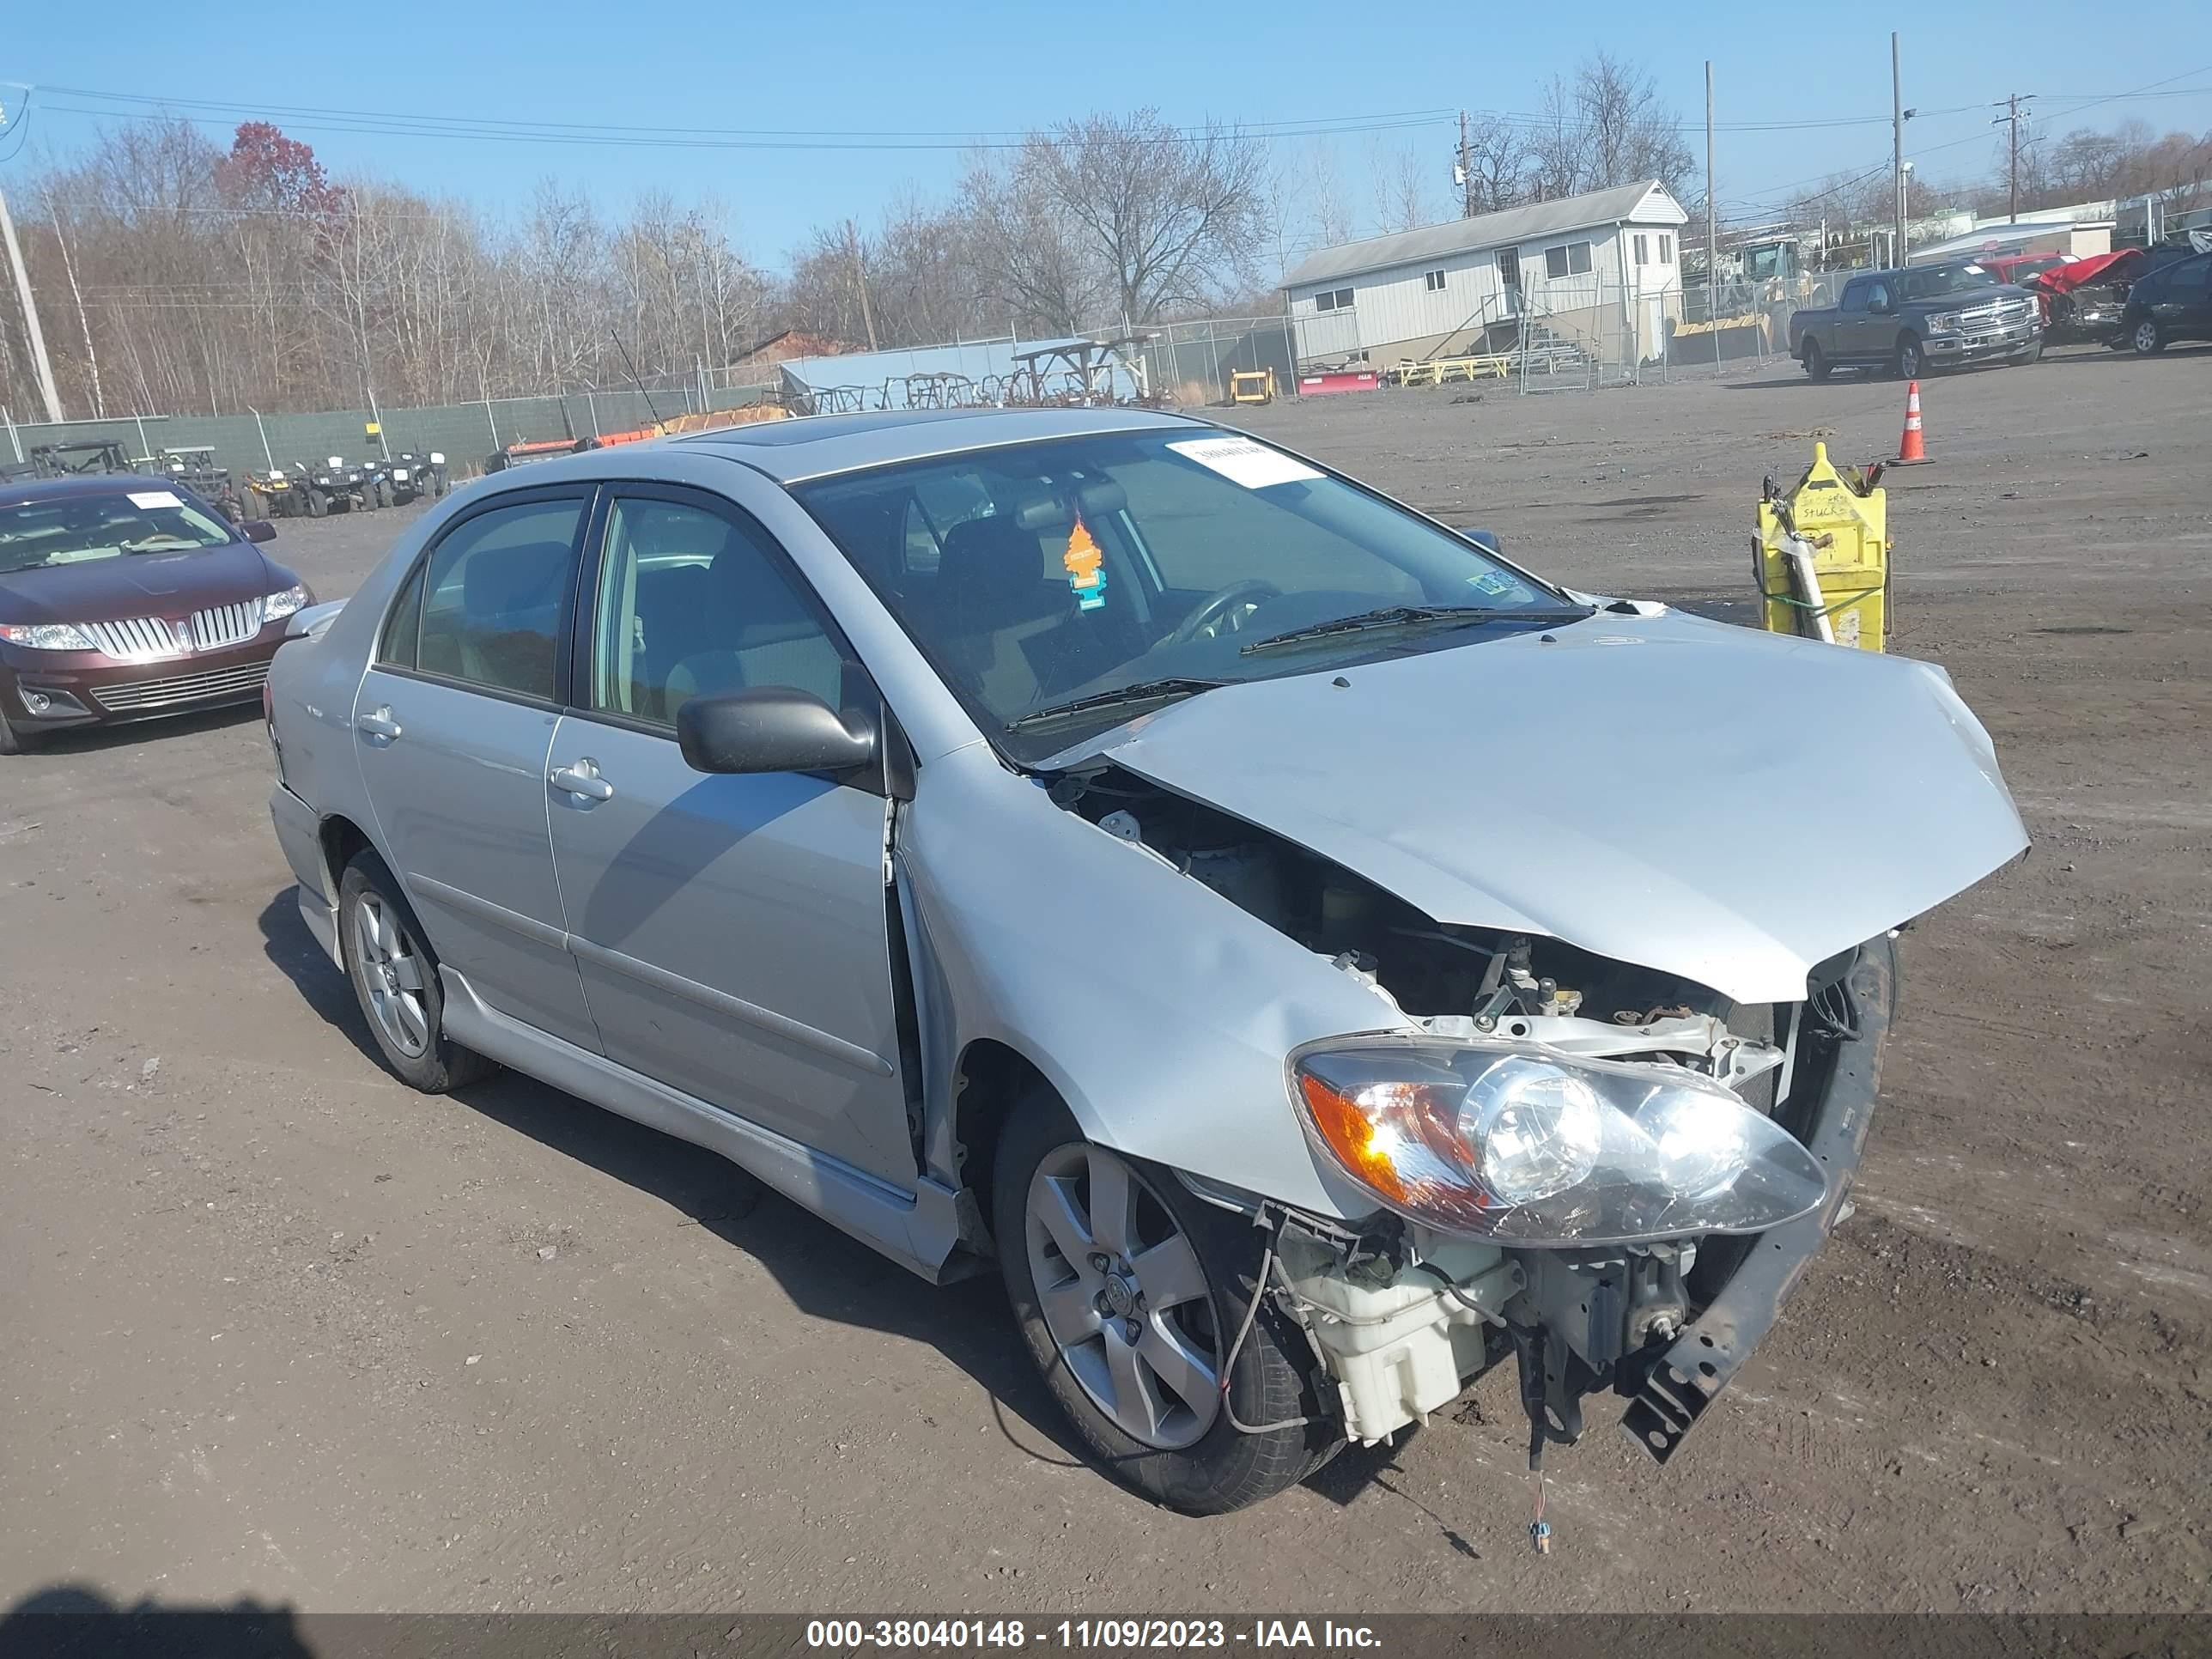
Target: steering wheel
(1213,616)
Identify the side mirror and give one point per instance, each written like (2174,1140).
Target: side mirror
(258,530)
(770,728)
(1486,539)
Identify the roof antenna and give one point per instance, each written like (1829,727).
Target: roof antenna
(633,379)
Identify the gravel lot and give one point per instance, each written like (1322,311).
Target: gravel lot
(278,1327)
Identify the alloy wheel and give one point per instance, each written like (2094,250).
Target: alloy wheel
(391,973)
(2146,340)
(1124,1297)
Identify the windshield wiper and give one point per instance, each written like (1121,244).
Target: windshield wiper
(1142,691)
(1413,616)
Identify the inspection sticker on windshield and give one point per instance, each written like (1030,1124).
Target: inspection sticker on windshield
(1498,585)
(154,498)
(1242,461)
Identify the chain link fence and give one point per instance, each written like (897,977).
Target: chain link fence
(466,434)
(1579,335)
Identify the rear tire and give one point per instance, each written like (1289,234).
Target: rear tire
(1817,366)
(1197,1461)
(394,975)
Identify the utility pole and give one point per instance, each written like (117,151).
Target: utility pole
(1712,211)
(1466,171)
(1896,147)
(36,334)
(2011,118)
(860,276)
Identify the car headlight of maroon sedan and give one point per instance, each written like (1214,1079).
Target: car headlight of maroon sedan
(122,599)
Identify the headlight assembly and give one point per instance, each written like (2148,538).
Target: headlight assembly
(48,637)
(1510,1142)
(283,603)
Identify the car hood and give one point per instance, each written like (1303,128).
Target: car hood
(139,585)
(1731,806)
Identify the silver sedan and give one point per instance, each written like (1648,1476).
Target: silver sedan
(1315,959)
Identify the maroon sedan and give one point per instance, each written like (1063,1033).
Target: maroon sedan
(124,598)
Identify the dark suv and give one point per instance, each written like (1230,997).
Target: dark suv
(2173,303)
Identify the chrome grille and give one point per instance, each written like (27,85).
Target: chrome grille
(135,636)
(226,625)
(239,682)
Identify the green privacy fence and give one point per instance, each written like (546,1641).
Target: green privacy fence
(465,433)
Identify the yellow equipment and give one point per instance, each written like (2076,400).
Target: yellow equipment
(1255,385)
(1821,557)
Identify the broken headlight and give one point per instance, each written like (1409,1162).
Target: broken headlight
(1511,1142)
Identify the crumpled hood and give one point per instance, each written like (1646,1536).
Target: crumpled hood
(1729,806)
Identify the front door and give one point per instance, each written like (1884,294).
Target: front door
(732,932)
(452,725)
(1509,274)
(2185,306)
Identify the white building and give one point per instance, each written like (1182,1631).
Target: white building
(1602,265)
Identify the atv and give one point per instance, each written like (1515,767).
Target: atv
(411,476)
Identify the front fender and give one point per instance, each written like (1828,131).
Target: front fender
(1161,1014)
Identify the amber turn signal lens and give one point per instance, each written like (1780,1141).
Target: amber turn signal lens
(1351,1135)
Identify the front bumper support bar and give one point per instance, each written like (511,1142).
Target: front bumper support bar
(1693,1371)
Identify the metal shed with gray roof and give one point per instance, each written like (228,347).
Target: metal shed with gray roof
(1439,289)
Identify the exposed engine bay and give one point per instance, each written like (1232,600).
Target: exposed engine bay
(1403,1316)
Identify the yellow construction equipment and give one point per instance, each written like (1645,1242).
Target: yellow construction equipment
(1822,555)
(1252,385)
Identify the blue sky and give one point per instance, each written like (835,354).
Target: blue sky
(932,76)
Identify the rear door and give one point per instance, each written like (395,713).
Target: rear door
(2185,304)
(732,932)
(1850,320)
(452,725)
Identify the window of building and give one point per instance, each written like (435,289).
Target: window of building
(1666,250)
(1436,282)
(1642,252)
(1573,260)
(1332,298)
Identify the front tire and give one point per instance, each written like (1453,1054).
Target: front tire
(395,980)
(1910,361)
(1181,1274)
(1817,366)
(2147,339)
(317,507)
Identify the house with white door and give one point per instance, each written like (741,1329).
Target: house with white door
(1597,267)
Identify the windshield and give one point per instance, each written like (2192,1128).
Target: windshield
(1935,281)
(1044,574)
(72,529)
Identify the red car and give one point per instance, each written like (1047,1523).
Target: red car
(125,597)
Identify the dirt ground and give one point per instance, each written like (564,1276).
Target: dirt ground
(276,1327)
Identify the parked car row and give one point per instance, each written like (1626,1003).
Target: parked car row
(1956,313)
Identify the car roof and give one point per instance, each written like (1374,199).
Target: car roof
(815,445)
(19,492)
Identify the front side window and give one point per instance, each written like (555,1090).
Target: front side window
(495,597)
(2189,280)
(1855,297)
(77,528)
(1180,553)
(693,603)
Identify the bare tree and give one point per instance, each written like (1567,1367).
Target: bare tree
(1167,219)
(1499,161)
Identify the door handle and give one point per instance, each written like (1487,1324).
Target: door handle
(377,723)
(581,779)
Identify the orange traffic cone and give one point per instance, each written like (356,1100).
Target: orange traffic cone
(1911,450)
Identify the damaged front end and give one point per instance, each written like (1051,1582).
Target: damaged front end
(1605,1171)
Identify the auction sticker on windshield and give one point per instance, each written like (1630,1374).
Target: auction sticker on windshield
(154,498)
(1242,461)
